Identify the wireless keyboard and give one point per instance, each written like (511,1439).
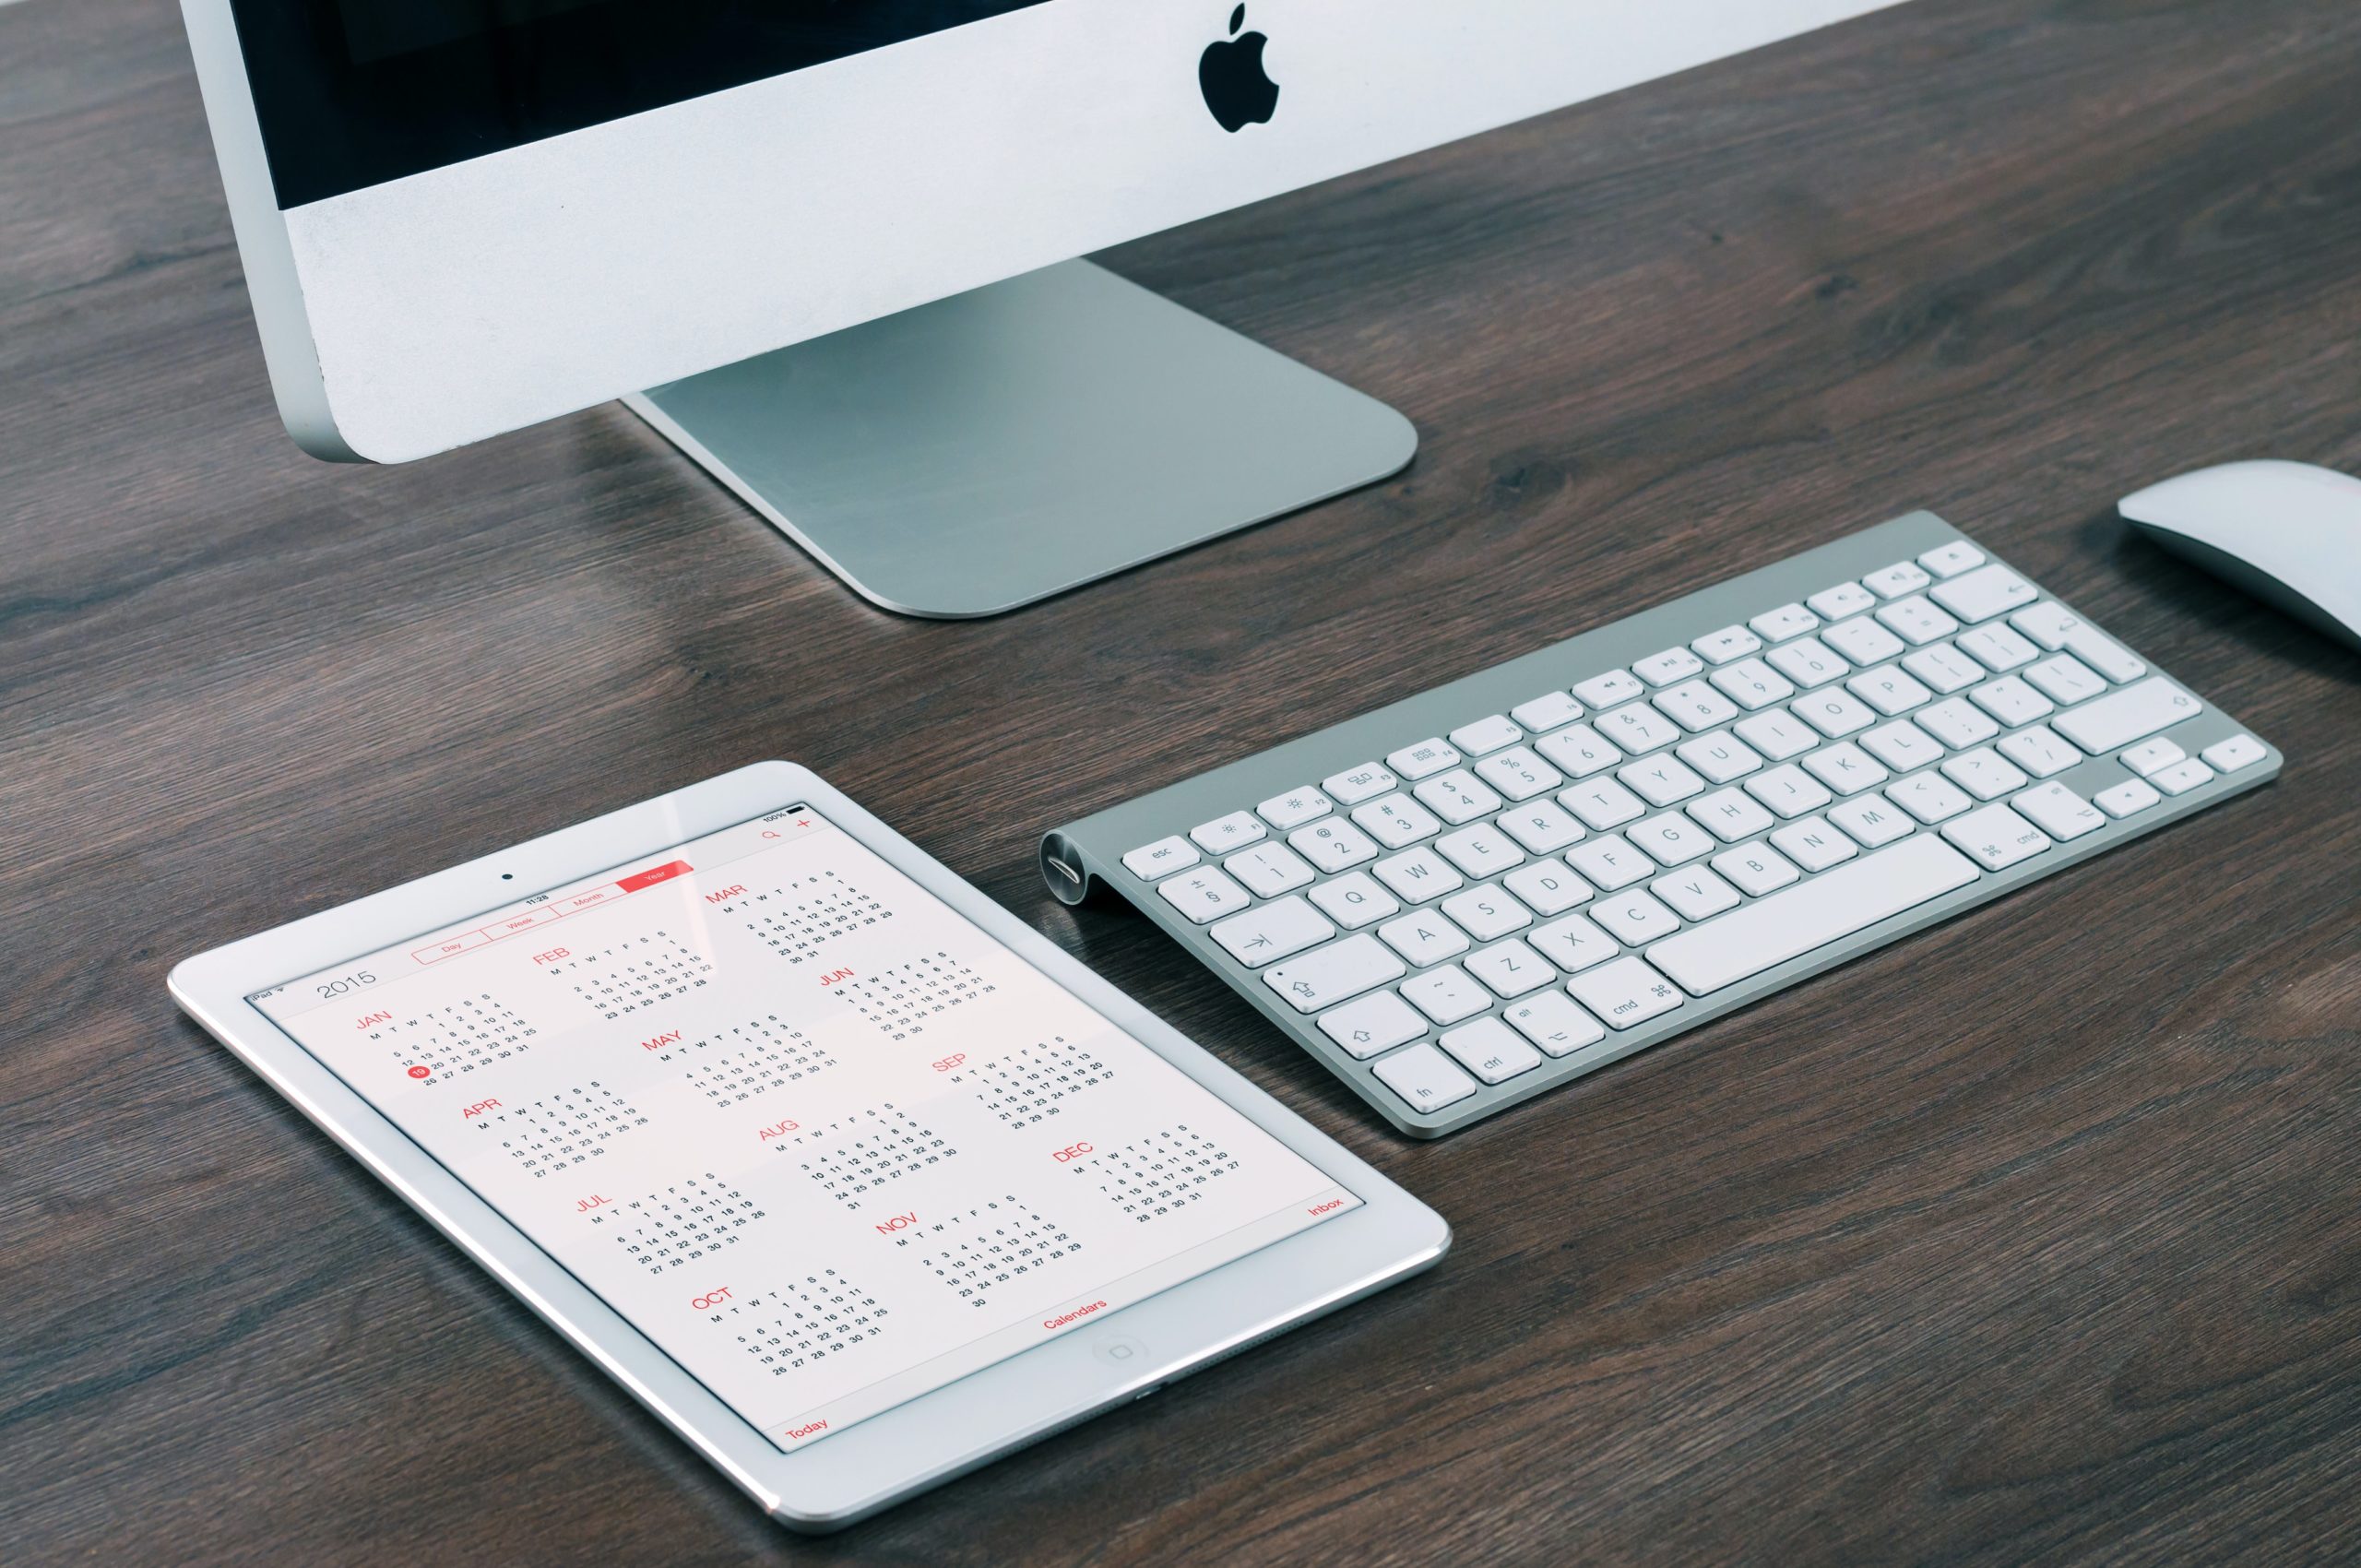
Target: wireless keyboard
(1477,892)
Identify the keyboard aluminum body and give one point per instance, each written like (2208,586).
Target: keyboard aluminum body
(1427,1085)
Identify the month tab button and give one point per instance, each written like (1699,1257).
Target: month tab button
(650,878)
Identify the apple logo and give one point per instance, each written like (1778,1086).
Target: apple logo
(1237,89)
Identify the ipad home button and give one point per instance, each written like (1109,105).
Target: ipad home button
(1120,1350)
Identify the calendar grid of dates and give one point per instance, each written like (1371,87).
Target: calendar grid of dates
(826,1143)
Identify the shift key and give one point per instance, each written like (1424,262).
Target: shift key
(2116,720)
(1326,976)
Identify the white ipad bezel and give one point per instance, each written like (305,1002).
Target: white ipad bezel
(936,1436)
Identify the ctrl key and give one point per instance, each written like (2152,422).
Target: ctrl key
(1422,1076)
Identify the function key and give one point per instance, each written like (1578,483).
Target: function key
(1605,691)
(1427,756)
(1423,1077)
(1358,784)
(1547,712)
(1486,735)
(1951,560)
(1903,577)
(1226,833)
(1295,808)
(1845,599)
(1730,641)
(1787,621)
(1161,859)
(1672,664)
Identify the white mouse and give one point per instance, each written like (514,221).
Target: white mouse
(2287,533)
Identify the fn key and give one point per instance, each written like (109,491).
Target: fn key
(1425,1078)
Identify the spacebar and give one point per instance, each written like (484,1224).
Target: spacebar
(1834,904)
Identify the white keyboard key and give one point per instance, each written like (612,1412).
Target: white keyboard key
(1809,662)
(1814,844)
(1633,918)
(2149,757)
(1485,913)
(1846,769)
(1944,668)
(1929,797)
(2065,680)
(2012,701)
(1272,932)
(1756,869)
(1552,1022)
(1903,746)
(1730,641)
(1610,862)
(2181,776)
(1509,969)
(1625,993)
(2111,722)
(1603,803)
(2131,795)
(1355,900)
(1486,735)
(1695,894)
(2059,812)
(2238,752)
(1787,621)
(2039,751)
(1424,760)
(1605,691)
(1637,727)
(1996,837)
(1418,876)
(1731,815)
(1984,593)
(1720,756)
(1339,972)
(1863,641)
(1481,850)
(1488,1049)
(1778,735)
(1997,647)
(1671,840)
(1890,691)
(1573,943)
(1664,669)
(1695,705)
(1951,560)
(1295,808)
(1957,723)
(1425,1077)
(1663,780)
(1379,1021)
(1202,895)
(1547,711)
(1789,791)
(1985,773)
(1423,937)
(2054,626)
(1397,820)
(1541,827)
(1547,887)
(1917,620)
(1835,713)
(1870,821)
(1892,582)
(1227,833)
(1845,599)
(1458,796)
(1518,773)
(1161,859)
(1354,785)
(1580,750)
(1332,846)
(1269,870)
(1751,684)
(1786,926)
(1446,995)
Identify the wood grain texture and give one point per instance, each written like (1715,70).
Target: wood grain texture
(2036,1238)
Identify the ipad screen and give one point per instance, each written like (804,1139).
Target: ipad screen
(824,1140)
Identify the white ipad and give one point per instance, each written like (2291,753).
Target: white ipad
(847,1174)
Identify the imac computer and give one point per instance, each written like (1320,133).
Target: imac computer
(829,247)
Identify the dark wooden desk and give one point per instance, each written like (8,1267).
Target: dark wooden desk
(2037,1238)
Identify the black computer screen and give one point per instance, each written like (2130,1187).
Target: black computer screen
(355,92)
